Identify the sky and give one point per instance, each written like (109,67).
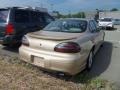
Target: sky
(65,6)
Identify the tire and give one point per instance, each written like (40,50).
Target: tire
(12,45)
(112,27)
(90,61)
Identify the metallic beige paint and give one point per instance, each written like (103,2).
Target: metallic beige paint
(41,50)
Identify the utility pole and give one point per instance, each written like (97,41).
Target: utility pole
(41,4)
(52,5)
(69,14)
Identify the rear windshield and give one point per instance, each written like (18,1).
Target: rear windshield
(106,19)
(70,26)
(3,15)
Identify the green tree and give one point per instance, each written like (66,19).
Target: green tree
(75,15)
(82,15)
(79,15)
(114,9)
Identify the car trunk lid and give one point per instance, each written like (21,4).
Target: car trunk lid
(45,40)
(57,36)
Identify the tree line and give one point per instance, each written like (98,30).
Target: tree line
(79,14)
(75,15)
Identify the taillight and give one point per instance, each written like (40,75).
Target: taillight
(9,29)
(25,41)
(67,47)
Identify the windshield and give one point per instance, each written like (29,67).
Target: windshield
(106,19)
(3,15)
(72,26)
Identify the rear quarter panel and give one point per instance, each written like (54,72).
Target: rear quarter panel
(86,46)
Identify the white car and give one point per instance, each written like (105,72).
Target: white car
(106,23)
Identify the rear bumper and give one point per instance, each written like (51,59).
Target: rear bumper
(8,39)
(71,64)
(1,41)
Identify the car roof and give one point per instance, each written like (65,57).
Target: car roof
(23,8)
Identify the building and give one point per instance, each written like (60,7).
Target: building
(113,14)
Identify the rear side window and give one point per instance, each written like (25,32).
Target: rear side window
(21,16)
(3,15)
(48,18)
(37,17)
(34,17)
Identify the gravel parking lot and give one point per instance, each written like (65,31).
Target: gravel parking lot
(107,60)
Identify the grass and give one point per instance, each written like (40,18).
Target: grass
(17,75)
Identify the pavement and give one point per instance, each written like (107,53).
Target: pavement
(12,52)
(107,63)
(107,60)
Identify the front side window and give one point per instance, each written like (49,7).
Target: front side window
(21,16)
(71,26)
(3,15)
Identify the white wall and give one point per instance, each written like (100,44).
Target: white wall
(114,14)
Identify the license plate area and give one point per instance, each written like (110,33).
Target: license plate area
(39,61)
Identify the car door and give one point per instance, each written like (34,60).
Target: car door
(96,34)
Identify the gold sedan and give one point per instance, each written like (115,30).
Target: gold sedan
(65,45)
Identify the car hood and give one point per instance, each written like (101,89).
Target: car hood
(54,35)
